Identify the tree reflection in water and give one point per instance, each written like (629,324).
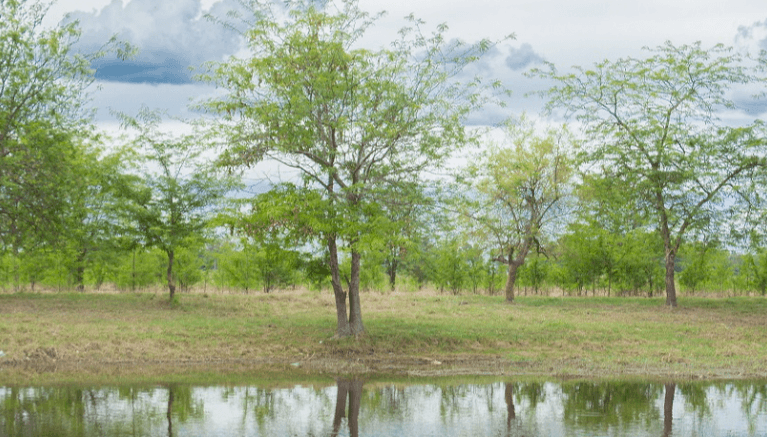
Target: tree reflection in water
(668,409)
(351,388)
(510,413)
(343,409)
(170,411)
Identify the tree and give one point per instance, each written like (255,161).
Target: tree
(404,210)
(171,204)
(655,133)
(514,191)
(754,267)
(93,234)
(43,122)
(354,122)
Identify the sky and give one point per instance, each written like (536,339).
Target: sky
(172,36)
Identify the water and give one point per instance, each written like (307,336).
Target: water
(354,407)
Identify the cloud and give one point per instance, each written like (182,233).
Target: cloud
(752,38)
(523,57)
(171,37)
(129,98)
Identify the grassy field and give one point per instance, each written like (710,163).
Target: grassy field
(110,338)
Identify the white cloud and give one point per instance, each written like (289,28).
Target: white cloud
(171,37)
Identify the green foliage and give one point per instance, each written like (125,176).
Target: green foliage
(653,130)
(44,124)
(169,208)
(704,265)
(448,266)
(188,264)
(592,257)
(535,273)
(356,123)
(139,269)
(256,264)
(753,271)
(514,192)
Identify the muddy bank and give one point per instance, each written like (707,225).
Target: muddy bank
(44,367)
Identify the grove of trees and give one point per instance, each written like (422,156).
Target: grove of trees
(648,192)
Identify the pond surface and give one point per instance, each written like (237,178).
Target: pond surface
(354,407)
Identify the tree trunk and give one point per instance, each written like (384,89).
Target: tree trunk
(80,270)
(169,275)
(668,409)
(355,400)
(510,280)
(342,328)
(133,272)
(509,396)
(169,414)
(392,273)
(353,390)
(514,265)
(355,309)
(341,393)
(670,285)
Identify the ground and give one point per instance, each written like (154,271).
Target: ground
(112,338)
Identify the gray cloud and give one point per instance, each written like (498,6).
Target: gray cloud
(171,37)
(523,57)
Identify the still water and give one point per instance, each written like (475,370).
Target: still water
(355,407)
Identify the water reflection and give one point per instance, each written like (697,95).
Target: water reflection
(668,409)
(352,389)
(352,407)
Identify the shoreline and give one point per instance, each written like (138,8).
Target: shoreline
(297,369)
(122,338)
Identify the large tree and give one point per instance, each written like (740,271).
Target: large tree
(44,120)
(354,122)
(654,132)
(515,190)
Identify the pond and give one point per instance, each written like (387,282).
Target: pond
(349,407)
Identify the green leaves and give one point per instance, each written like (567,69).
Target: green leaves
(46,131)
(514,188)
(172,201)
(653,123)
(356,123)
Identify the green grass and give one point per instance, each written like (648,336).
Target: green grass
(581,336)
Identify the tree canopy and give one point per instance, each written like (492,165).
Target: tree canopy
(355,122)
(515,190)
(654,132)
(44,121)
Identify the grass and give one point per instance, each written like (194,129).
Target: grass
(107,337)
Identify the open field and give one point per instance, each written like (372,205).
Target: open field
(111,338)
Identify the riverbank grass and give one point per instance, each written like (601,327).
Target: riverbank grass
(56,337)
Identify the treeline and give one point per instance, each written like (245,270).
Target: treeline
(652,191)
(577,264)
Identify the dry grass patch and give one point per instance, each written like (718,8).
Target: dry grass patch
(406,333)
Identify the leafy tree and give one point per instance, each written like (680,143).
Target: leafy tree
(43,122)
(515,190)
(581,257)
(239,266)
(354,122)
(448,265)
(269,224)
(696,268)
(140,268)
(93,234)
(655,133)
(753,271)
(405,209)
(535,272)
(171,206)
